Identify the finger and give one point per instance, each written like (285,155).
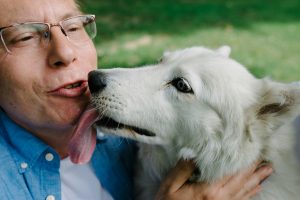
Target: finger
(253,192)
(248,196)
(235,181)
(178,176)
(232,181)
(264,172)
(253,182)
(223,181)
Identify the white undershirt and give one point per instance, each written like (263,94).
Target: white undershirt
(79,182)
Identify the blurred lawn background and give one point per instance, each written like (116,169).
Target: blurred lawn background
(264,34)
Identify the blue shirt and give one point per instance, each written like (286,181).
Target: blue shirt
(26,174)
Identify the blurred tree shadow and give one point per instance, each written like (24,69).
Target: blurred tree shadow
(116,17)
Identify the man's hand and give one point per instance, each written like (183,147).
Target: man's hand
(241,186)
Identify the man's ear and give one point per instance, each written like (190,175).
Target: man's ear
(279,104)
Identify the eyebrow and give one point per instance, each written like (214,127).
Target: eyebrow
(71,14)
(65,16)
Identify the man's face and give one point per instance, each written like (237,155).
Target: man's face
(33,80)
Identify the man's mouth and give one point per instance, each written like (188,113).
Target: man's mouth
(73,85)
(71,89)
(110,123)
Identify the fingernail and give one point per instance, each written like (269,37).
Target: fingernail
(267,168)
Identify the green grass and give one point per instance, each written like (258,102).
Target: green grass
(264,35)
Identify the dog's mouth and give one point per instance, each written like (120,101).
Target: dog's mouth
(83,141)
(110,123)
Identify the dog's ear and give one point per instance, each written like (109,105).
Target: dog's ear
(224,51)
(279,104)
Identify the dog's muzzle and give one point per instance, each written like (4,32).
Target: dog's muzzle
(97,82)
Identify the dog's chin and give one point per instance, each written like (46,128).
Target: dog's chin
(109,125)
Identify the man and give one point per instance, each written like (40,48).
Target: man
(46,53)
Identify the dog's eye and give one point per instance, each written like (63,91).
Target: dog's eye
(182,85)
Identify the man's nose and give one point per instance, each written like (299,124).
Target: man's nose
(97,81)
(62,52)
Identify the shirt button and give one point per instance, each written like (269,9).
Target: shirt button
(49,157)
(24,165)
(50,197)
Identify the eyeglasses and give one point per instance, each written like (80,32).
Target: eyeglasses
(78,30)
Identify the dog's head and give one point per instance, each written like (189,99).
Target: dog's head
(187,90)
(195,98)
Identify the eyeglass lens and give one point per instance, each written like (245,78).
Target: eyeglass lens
(78,30)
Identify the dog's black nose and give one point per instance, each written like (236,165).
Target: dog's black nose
(97,81)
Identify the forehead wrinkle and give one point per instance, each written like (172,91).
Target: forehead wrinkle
(53,14)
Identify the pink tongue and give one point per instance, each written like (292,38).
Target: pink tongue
(83,142)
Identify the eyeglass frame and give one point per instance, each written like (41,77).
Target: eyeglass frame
(50,25)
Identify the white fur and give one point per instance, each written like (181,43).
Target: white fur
(187,153)
(229,121)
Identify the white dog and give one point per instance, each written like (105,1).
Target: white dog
(198,103)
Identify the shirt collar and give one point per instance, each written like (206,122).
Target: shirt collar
(26,147)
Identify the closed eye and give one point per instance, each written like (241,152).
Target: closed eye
(25,37)
(182,85)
